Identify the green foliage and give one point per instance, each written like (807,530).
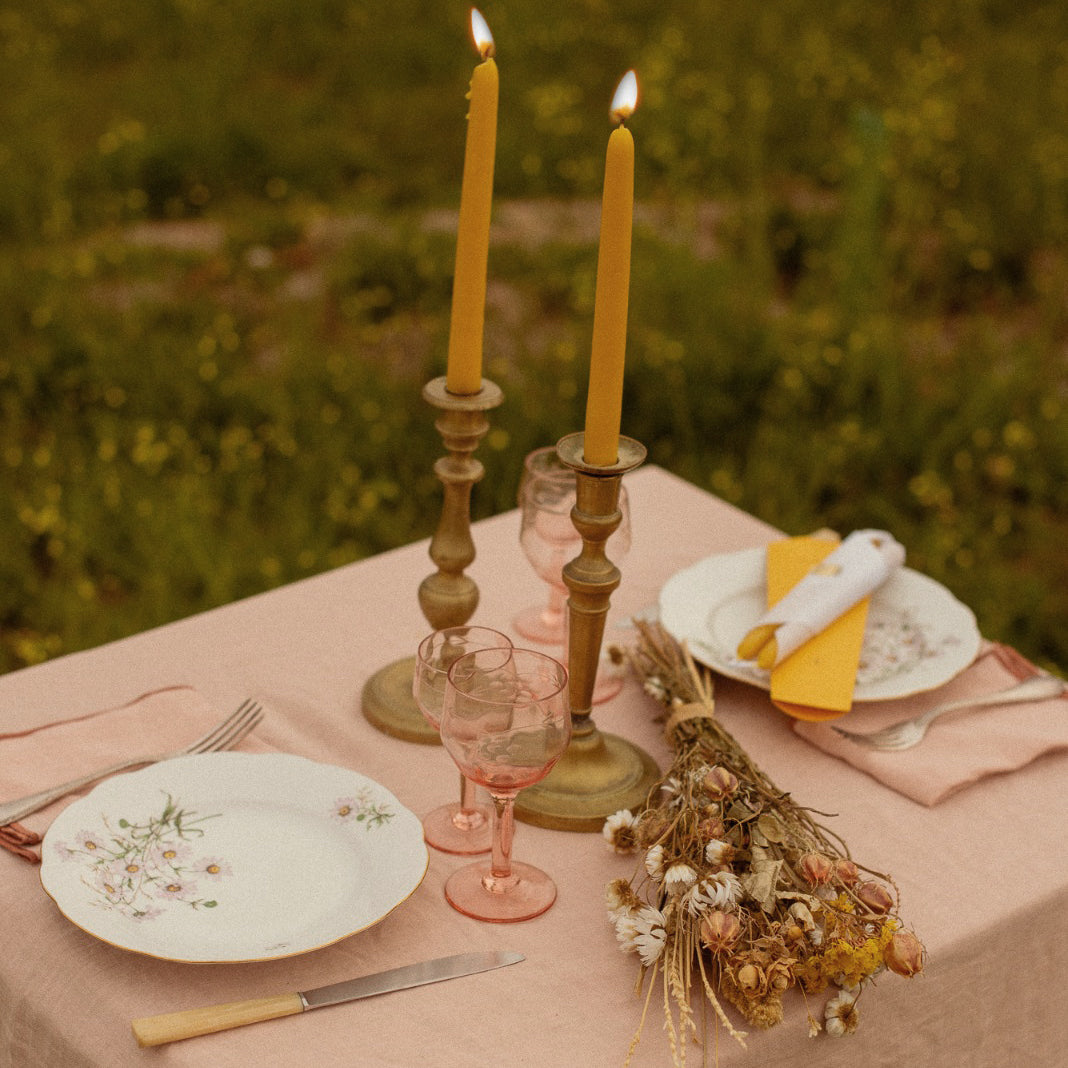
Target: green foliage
(226,241)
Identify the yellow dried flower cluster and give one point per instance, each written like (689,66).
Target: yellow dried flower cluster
(738,889)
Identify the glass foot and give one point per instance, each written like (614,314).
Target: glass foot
(452,830)
(537,624)
(527,893)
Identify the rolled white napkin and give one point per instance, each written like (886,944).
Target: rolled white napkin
(861,564)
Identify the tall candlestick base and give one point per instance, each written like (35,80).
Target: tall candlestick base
(600,773)
(448,597)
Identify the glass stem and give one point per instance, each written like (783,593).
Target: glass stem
(467,795)
(503,831)
(553,612)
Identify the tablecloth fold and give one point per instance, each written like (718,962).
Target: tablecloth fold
(154,722)
(960,748)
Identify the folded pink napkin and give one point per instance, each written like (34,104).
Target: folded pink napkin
(34,760)
(960,748)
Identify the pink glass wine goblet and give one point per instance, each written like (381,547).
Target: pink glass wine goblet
(506,721)
(462,827)
(549,540)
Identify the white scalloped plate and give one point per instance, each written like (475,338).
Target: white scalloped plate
(918,635)
(232,857)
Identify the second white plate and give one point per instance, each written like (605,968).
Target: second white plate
(918,634)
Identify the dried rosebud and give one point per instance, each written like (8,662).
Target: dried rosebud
(875,896)
(720,930)
(719,782)
(816,868)
(904,954)
(845,871)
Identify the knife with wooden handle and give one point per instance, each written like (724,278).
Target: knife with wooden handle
(174,1026)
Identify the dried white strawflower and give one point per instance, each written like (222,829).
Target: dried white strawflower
(719,890)
(620,898)
(718,852)
(646,934)
(621,831)
(679,878)
(842,1014)
(654,861)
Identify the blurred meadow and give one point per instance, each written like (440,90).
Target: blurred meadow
(226,242)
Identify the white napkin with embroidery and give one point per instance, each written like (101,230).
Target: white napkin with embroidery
(861,564)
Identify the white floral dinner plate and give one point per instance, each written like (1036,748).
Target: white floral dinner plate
(232,857)
(918,635)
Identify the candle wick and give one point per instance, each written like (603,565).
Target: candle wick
(487,51)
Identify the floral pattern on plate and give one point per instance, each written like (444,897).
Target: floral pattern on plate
(232,857)
(142,867)
(918,634)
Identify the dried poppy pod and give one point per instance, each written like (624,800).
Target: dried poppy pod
(875,896)
(719,782)
(846,872)
(720,930)
(816,868)
(711,827)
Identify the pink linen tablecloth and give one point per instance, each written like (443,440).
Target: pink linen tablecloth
(982,876)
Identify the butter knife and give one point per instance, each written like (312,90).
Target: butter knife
(173,1026)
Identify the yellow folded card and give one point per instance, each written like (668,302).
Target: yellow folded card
(816,682)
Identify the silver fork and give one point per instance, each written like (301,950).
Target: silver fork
(224,735)
(909,732)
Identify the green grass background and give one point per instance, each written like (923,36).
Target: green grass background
(226,241)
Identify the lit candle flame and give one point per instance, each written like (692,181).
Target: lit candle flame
(626,98)
(481,32)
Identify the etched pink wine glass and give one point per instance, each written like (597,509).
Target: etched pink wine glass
(506,721)
(462,827)
(549,540)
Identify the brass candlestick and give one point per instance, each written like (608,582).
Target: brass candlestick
(448,597)
(600,773)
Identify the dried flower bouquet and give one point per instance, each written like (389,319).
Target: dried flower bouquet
(740,892)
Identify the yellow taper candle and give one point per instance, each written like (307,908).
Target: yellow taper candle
(464,370)
(604,401)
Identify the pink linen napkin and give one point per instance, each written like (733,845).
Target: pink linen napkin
(960,748)
(155,722)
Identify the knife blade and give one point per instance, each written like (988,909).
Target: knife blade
(188,1023)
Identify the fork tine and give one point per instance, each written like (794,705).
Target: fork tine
(230,730)
(209,738)
(240,730)
(897,736)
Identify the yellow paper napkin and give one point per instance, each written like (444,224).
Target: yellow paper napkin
(816,682)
